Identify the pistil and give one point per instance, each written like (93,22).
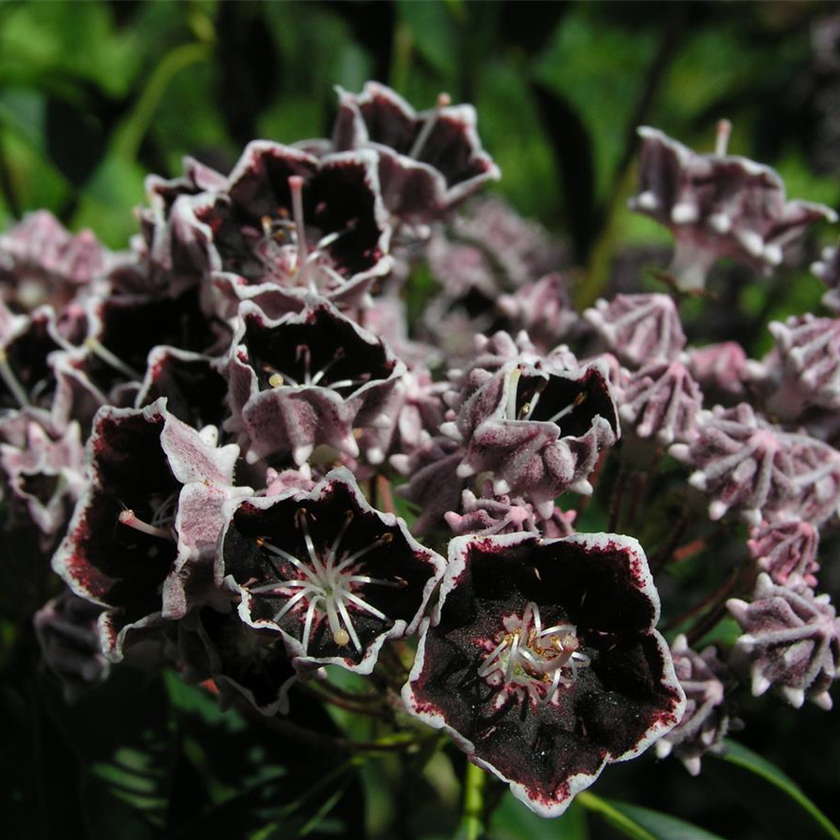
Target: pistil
(129,518)
(443,101)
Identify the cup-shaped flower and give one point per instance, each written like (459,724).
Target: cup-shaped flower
(538,428)
(288,221)
(306,379)
(139,539)
(241,661)
(718,205)
(542,662)
(428,162)
(335,577)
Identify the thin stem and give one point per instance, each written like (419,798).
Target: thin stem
(327,696)
(665,553)
(472,816)
(612,815)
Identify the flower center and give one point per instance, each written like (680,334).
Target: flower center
(327,582)
(536,658)
(292,260)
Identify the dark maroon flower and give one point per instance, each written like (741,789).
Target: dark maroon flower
(69,641)
(288,224)
(428,162)
(306,380)
(706,721)
(195,391)
(169,256)
(542,662)
(792,641)
(718,205)
(26,342)
(241,661)
(42,263)
(639,329)
(537,427)
(45,476)
(142,538)
(335,577)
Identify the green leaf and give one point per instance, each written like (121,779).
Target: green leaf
(757,783)
(121,735)
(662,826)
(434,32)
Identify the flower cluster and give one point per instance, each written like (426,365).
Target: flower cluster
(213,431)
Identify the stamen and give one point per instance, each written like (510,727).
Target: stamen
(337,357)
(329,593)
(724,129)
(127,517)
(535,658)
(302,352)
(365,606)
(296,186)
(289,604)
(310,546)
(11,381)
(276,380)
(443,101)
(385,539)
(289,558)
(333,553)
(99,349)
(578,400)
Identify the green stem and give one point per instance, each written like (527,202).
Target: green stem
(129,135)
(472,817)
(612,815)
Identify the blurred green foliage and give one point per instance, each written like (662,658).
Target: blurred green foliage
(95,95)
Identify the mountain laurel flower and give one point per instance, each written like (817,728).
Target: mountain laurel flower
(706,721)
(741,461)
(639,329)
(140,536)
(662,400)
(791,641)
(332,575)
(305,380)
(538,428)
(786,550)
(429,162)
(541,661)
(718,205)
